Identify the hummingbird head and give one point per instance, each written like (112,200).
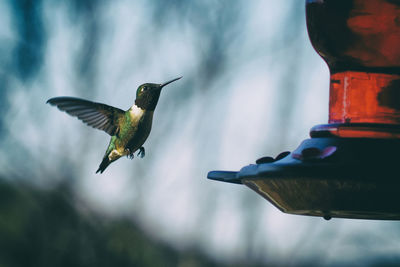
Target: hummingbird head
(147,94)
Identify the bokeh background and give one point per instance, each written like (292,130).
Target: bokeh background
(252,86)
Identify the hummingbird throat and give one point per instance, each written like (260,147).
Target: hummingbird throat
(148,101)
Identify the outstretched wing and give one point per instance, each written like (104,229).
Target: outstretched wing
(97,115)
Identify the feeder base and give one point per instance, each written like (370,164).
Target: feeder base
(355,178)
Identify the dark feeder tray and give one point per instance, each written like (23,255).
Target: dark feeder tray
(329,177)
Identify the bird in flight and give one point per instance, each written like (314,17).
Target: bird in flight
(128,129)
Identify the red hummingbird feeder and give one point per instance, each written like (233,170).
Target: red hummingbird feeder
(350,167)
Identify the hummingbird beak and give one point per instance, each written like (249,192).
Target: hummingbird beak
(166,83)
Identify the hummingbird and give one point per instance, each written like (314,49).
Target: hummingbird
(128,129)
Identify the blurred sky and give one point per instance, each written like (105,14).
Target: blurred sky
(252,86)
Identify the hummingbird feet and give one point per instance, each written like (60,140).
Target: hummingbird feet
(130,154)
(141,152)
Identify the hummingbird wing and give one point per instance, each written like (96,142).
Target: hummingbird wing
(97,115)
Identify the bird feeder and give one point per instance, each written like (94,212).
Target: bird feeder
(350,167)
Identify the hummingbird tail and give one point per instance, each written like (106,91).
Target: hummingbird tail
(103,165)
